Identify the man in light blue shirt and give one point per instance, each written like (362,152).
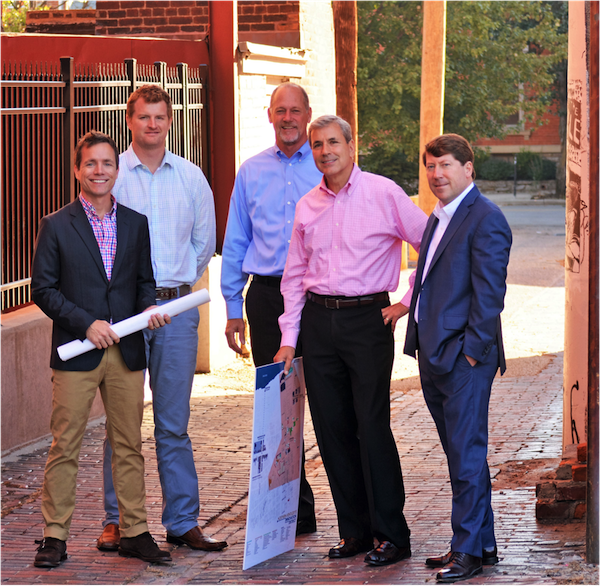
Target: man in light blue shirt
(178,202)
(259,230)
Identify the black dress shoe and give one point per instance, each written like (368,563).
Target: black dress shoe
(349,547)
(489,557)
(51,553)
(144,547)
(460,567)
(306,527)
(387,553)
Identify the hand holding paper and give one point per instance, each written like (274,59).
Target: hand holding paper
(136,323)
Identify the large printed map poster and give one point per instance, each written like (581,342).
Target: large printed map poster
(276,459)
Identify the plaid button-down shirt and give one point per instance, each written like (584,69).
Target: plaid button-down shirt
(105,231)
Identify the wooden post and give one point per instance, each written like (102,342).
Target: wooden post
(223,40)
(593,508)
(433,64)
(346,44)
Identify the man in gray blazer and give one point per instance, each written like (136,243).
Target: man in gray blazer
(91,269)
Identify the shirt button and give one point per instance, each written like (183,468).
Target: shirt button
(290,164)
(289,182)
(289,203)
(289,221)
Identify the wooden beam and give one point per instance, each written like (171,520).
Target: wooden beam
(222,42)
(346,55)
(433,64)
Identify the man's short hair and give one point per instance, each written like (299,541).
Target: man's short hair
(451,144)
(323,121)
(92,138)
(295,86)
(151,94)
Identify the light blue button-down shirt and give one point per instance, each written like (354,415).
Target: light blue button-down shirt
(261,217)
(179,205)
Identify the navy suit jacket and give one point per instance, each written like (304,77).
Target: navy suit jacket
(70,286)
(463,292)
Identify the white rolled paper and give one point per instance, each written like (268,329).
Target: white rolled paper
(137,322)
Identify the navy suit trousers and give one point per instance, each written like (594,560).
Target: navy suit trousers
(458,402)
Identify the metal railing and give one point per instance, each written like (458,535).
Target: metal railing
(45,109)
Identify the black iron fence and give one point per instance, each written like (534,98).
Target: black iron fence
(45,110)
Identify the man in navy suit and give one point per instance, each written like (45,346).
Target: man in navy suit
(454,324)
(91,269)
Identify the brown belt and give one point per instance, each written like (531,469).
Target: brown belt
(344,302)
(163,293)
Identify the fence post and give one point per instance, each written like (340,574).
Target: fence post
(68,130)
(131,70)
(205,155)
(161,73)
(182,72)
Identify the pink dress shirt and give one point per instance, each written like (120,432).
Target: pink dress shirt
(347,244)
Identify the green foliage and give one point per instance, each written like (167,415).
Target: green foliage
(496,170)
(394,165)
(481,156)
(532,166)
(500,57)
(13,15)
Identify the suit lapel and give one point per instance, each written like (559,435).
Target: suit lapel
(427,236)
(458,218)
(122,237)
(83,228)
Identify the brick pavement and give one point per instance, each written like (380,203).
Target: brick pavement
(525,424)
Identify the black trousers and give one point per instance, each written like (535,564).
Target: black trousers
(348,357)
(264,305)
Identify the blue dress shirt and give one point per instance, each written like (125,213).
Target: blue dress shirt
(179,205)
(261,217)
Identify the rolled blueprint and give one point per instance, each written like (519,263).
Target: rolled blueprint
(137,322)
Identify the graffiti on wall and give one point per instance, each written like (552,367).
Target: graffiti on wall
(577,216)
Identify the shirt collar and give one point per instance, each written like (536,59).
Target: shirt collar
(301,153)
(90,210)
(449,209)
(350,185)
(132,161)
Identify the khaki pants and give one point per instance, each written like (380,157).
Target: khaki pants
(122,393)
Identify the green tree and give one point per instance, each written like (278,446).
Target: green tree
(13,15)
(501,58)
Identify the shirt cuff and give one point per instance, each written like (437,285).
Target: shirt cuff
(407,298)
(289,338)
(235,309)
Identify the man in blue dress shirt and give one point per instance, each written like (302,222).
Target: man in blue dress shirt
(259,230)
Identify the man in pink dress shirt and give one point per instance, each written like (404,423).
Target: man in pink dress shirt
(344,257)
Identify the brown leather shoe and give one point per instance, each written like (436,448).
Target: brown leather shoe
(110,538)
(195,539)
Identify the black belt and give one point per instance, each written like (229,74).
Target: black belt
(269,281)
(343,302)
(163,293)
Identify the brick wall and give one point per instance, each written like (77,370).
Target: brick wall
(544,139)
(61,22)
(169,19)
(268,15)
(274,22)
